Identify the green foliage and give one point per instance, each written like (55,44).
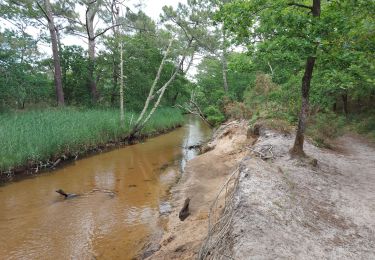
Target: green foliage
(21,81)
(269,100)
(26,77)
(237,110)
(214,115)
(55,132)
(74,63)
(323,127)
(343,35)
(364,123)
(210,92)
(142,58)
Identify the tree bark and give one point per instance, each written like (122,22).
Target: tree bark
(121,86)
(56,56)
(300,135)
(116,33)
(140,124)
(90,15)
(115,80)
(156,80)
(165,86)
(224,63)
(297,149)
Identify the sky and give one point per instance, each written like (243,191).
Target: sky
(152,8)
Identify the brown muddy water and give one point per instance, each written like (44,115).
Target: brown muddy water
(123,197)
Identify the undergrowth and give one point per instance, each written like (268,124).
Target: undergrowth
(363,123)
(278,109)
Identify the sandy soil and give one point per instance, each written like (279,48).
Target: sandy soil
(290,209)
(202,178)
(284,208)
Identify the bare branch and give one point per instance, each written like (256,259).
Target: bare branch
(105,30)
(300,5)
(44,12)
(78,34)
(72,20)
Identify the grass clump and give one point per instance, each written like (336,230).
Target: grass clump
(40,135)
(214,115)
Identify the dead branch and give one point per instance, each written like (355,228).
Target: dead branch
(300,5)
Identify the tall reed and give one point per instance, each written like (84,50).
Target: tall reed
(40,135)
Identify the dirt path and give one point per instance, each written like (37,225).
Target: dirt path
(291,209)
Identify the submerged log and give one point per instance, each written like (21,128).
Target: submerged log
(184,213)
(66,195)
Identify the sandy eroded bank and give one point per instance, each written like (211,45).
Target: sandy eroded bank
(201,180)
(283,207)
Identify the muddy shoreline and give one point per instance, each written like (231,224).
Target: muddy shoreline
(32,169)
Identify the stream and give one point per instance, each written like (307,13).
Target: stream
(124,194)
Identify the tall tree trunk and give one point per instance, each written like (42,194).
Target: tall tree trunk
(90,15)
(224,62)
(58,40)
(305,89)
(115,80)
(56,56)
(62,61)
(300,135)
(92,82)
(114,18)
(121,86)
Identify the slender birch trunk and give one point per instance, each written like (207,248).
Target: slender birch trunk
(140,124)
(156,80)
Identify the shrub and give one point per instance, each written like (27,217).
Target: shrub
(364,123)
(237,110)
(214,115)
(323,127)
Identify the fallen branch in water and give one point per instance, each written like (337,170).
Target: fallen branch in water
(56,163)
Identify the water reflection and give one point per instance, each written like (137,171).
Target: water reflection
(197,132)
(35,223)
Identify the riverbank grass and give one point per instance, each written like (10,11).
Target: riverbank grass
(35,136)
